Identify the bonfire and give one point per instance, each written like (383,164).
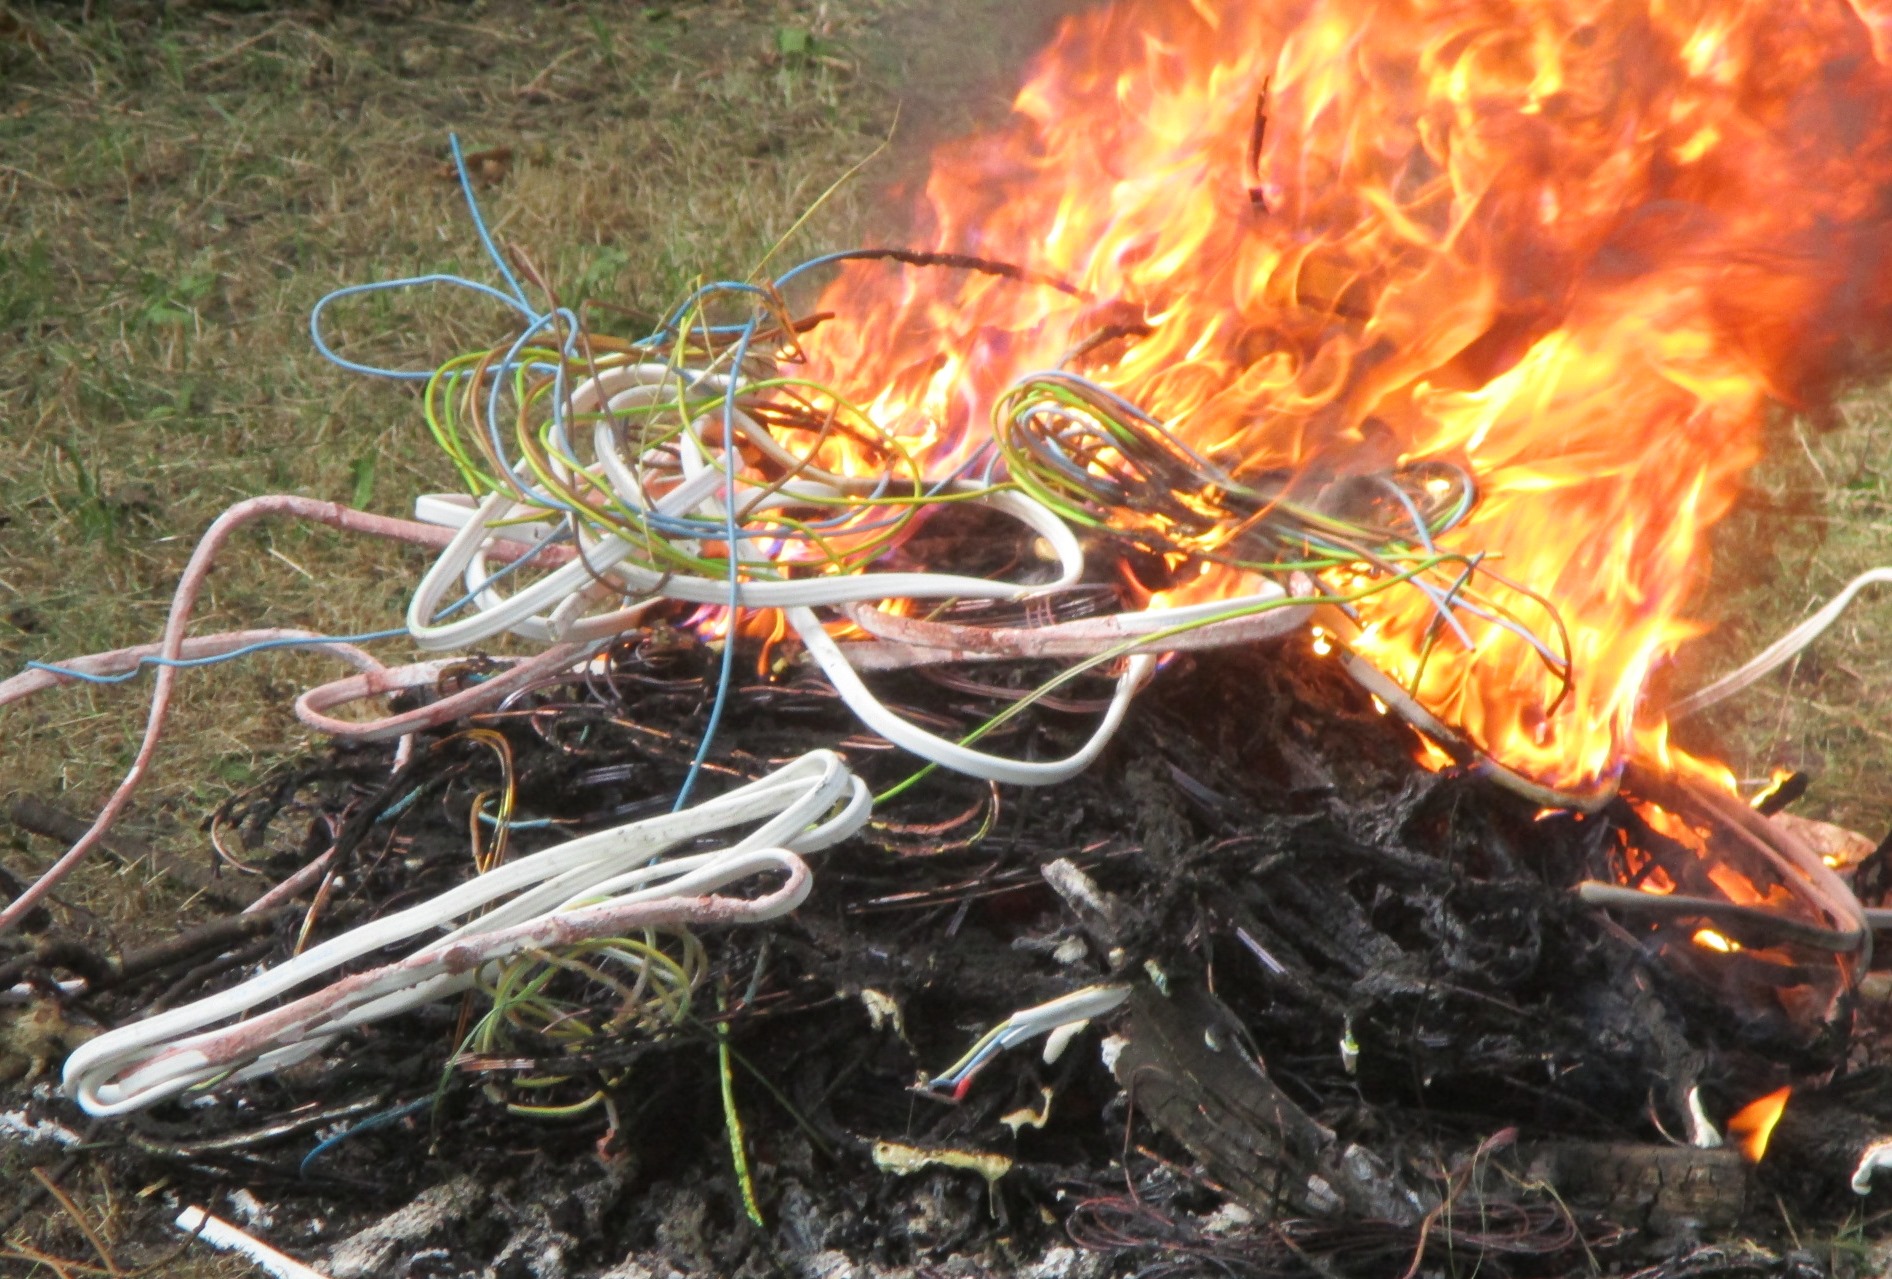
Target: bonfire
(1137,720)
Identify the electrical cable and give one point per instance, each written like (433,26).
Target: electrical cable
(1781,651)
(601,885)
(144,660)
(1070,1013)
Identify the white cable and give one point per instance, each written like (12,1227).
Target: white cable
(950,754)
(577,889)
(1781,650)
(1262,614)
(1070,1013)
(699,477)
(224,1237)
(605,556)
(1872,1159)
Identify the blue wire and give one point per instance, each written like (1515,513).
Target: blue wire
(509,365)
(153,659)
(382,286)
(479,222)
(381,1120)
(727,674)
(674,526)
(517,299)
(314,641)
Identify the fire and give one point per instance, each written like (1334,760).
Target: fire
(1775,780)
(1753,1124)
(1573,246)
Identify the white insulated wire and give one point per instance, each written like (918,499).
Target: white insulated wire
(1782,650)
(950,754)
(554,897)
(495,615)
(1072,1012)
(606,574)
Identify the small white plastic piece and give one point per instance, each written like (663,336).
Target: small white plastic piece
(225,1237)
(1702,1133)
(1876,1156)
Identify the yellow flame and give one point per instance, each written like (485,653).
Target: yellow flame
(1538,239)
(1780,778)
(1753,1124)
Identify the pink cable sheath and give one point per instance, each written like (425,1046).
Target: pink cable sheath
(120,660)
(172,646)
(902,642)
(306,1018)
(312,706)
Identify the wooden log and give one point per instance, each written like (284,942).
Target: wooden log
(1184,1062)
(1665,1191)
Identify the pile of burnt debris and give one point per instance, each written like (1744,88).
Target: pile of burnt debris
(1361,1025)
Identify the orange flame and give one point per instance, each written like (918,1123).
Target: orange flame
(1574,245)
(1753,1124)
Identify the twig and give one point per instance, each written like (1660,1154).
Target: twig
(41,818)
(78,1219)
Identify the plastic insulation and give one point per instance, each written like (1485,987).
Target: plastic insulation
(224,1237)
(115,665)
(725,676)
(1043,1019)
(962,759)
(1781,651)
(312,706)
(190,585)
(188,661)
(393,1114)
(601,885)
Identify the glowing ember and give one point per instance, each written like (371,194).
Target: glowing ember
(1781,776)
(1709,939)
(1573,248)
(1753,1124)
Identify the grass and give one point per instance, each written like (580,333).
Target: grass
(1818,512)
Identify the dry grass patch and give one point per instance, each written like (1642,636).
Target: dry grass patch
(1818,514)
